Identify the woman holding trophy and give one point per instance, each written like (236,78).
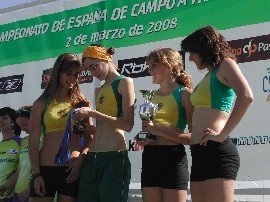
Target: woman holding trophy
(215,159)
(106,172)
(164,174)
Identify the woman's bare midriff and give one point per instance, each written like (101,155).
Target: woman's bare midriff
(50,147)
(204,118)
(163,141)
(107,138)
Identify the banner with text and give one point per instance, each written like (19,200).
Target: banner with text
(120,24)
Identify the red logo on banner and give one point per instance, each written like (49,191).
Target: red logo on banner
(251,49)
(85,77)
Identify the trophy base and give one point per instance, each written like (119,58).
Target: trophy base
(145,136)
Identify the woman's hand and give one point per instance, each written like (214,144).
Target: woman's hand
(142,143)
(147,126)
(24,194)
(210,134)
(82,113)
(74,168)
(39,186)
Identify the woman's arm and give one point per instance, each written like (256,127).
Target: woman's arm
(87,137)
(188,107)
(244,96)
(76,165)
(230,74)
(34,141)
(170,132)
(34,136)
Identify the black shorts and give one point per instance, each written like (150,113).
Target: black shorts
(55,181)
(165,166)
(215,160)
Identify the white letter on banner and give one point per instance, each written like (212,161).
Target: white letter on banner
(133,10)
(182,2)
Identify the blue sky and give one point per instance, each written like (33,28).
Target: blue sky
(10,3)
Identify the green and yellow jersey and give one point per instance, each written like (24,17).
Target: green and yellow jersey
(9,158)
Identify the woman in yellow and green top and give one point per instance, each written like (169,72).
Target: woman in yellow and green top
(9,153)
(164,174)
(215,159)
(105,175)
(22,187)
(51,114)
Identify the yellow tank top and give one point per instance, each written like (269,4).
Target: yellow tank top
(109,100)
(170,109)
(55,116)
(211,93)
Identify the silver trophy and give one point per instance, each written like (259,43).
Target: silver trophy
(147,112)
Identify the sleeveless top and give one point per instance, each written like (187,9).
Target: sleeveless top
(170,109)
(109,100)
(55,116)
(213,94)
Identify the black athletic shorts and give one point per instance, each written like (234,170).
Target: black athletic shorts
(165,166)
(215,160)
(55,181)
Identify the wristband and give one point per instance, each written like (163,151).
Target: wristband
(36,175)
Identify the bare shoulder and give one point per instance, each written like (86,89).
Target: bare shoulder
(186,102)
(227,65)
(227,70)
(38,105)
(125,83)
(227,61)
(187,91)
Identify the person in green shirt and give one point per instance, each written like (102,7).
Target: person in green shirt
(9,153)
(25,172)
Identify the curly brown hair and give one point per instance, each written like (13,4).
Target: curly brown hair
(209,44)
(173,60)
(65,62)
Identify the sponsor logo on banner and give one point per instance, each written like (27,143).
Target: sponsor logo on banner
(266,84)
(45,77)
(85,77)
(251,49)
(134,67)
(251,140)
(11,84)
(137,67)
